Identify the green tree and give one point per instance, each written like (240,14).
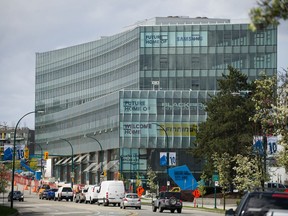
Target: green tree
(281,120)
(271,108)
(151,180)
(268,12)
(227,128)
(222,164)
(33,164)
(264,98)
(248,175)
(202,187)
(4,181)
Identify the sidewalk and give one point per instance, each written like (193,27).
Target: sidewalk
(207,203)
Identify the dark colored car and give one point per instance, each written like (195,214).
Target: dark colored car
(17,195)
(44,193)
(51,194)
(168,201)
(261,203)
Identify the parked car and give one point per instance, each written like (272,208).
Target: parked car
(51,193)
(41,189)
(64,192)
(80,196)
(131,200)
(43,194)
(17,195)
(111,192)
(261,203)
(167,201)
(91,195)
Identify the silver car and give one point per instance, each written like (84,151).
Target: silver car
(131,200)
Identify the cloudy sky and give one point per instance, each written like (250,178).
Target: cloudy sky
(32,26)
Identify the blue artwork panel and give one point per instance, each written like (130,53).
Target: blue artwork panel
(182,176)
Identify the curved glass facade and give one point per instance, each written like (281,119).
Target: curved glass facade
(122,90)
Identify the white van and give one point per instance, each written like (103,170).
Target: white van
(111,192)
(91,196)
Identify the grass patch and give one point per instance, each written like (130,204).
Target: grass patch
(5,210)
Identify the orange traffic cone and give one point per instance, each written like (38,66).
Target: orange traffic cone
(25,187)
(34,189)
(15,183)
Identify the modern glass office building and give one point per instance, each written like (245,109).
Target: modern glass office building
(120,103)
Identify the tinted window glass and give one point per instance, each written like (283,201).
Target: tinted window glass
(265,202)
(170,194)
(67,190)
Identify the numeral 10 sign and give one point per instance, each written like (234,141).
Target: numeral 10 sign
(272,145)
(172,158)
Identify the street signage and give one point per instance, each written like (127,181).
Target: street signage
(196,193)
(215,178)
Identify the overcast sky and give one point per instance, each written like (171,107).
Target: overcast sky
(31,26)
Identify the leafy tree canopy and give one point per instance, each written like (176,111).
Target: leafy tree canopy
(227,128)
(268,13)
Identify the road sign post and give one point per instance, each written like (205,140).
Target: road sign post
(215,179)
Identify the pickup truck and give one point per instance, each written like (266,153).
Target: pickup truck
(259,203)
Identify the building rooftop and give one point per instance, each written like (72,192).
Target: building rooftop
(183,20)
(179,20)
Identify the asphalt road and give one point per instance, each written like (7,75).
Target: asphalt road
(33,206)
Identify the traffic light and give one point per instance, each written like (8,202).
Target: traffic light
(26,153)
(46,155)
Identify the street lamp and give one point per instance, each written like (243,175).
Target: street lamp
(14,151)
(41,159)
(72,173)
(101,153)
(167,157)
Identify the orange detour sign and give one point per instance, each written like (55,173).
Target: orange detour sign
(140,190)
(196,193)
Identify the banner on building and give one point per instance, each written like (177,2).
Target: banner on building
(165,39)
(163,158)
(8,152)
(172,158)
(138,106)
(145,129)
